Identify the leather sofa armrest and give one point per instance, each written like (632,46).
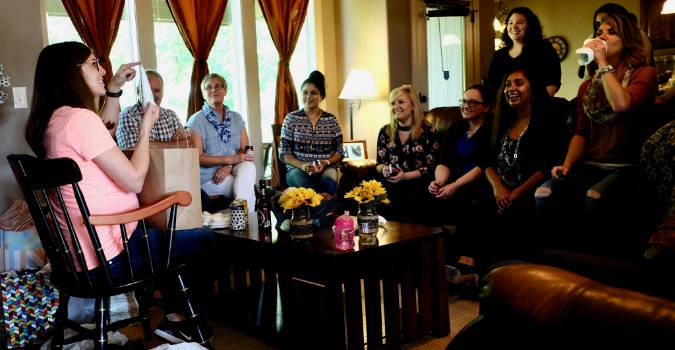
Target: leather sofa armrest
(552,296)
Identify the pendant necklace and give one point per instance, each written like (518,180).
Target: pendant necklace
(311,143)
(515,149)
(471,132)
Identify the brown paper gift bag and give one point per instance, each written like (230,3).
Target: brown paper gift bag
(174,169)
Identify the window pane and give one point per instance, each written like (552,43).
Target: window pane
(175,62)
(223,60)
(445,57)
(302,62)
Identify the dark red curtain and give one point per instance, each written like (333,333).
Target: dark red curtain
(198,22)
(97,23)
(284,21)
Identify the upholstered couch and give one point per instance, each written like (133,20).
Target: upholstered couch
(528,306)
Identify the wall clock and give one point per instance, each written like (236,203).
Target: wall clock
(560,45)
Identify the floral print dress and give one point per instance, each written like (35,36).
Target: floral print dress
(419,154)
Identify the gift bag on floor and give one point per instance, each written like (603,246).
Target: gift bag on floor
(170,170)
(20,246)
(22,250)
(29,303)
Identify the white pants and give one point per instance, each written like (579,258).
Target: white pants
(240,184)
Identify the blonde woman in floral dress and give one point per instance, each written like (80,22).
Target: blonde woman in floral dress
(407,153)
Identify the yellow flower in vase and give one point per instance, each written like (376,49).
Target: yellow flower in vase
(369,191)
(367,195)
(294,198)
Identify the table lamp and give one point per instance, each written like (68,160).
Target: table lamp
(668,7)
(359,86)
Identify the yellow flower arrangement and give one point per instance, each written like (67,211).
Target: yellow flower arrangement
(296,197)
(368,191)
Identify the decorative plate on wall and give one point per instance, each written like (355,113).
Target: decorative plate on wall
(560,45)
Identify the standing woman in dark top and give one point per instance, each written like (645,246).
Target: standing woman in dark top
(407,153)
(524,47)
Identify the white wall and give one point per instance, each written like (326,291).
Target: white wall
(20,45)
(363,43)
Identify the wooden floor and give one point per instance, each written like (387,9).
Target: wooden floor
(461,312)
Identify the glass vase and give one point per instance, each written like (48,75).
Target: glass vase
(368,223)
(301,223)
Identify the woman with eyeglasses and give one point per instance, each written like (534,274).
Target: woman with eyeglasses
(311,141)
(219,133)
(63,123)
(459,183)
(466,140)
(407,154)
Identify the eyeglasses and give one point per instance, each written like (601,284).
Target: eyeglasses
(471,103)
(214,87)
(96,63)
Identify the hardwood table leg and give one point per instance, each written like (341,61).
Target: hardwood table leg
(373,311)
(441,315)
(354,313)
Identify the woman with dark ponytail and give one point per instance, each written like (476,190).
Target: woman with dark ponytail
(311,141)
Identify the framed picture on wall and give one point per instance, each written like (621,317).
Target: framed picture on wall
(355,149)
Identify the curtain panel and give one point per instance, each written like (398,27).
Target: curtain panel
(97,23)
(284,21)
(198,22)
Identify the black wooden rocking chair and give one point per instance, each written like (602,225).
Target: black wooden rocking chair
(41,182)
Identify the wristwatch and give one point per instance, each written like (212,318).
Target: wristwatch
(606,69)
(113,94)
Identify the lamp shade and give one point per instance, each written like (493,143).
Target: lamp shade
(668,7)
(360,85)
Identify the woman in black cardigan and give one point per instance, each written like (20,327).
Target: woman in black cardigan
(529,134)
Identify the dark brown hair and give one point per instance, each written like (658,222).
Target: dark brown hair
(628,31)
(503,112)
(58,82)
(318,80)
(534,32)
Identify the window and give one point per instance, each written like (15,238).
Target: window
(60,28)
(268,60)
(445,55)
(174,61)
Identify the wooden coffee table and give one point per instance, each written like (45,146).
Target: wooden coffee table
(387,294)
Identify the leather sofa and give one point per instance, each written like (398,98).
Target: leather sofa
(528,306)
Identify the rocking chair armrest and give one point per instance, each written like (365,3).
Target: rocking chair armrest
(183,198)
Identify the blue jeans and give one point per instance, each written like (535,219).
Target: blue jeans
(324,182)
(592,210)
(193,246)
